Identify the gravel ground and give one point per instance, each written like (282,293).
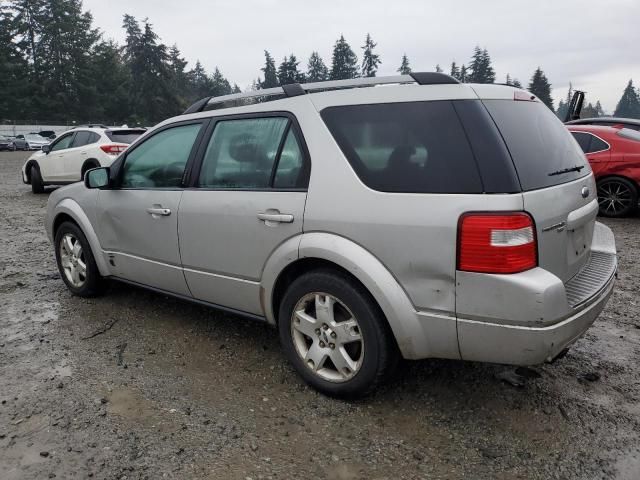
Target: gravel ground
(137,385)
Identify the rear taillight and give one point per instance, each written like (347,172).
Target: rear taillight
(113,148)
(496,243)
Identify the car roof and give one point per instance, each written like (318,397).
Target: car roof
(595,120)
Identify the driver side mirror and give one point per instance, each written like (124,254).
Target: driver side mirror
(46,148)
(97,178)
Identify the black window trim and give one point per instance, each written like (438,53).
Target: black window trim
(118,166)
(192,179)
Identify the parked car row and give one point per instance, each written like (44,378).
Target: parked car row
(425,219)
(32,141)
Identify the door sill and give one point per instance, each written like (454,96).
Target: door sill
(240,313)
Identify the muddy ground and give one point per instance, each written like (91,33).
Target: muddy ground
(137,385)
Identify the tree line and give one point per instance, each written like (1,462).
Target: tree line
(55,65)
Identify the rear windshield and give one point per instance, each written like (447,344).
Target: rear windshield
(413,147)
(123,136)
(629,134)
(543,150)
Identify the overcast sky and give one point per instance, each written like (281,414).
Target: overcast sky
(595,44)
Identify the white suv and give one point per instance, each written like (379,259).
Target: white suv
(74,152)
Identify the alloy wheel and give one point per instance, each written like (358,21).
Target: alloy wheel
(72,260)
(614,197)
(327,337)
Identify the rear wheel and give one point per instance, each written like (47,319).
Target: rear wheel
(37,185)
(75,261)
(335,335)
(617,197)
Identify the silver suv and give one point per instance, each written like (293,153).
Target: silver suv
(369,220)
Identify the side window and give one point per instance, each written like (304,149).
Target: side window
(290,172)
(63,142)
(583,140)
(417,147)
(81,139)
(159,162)
(597,145)
(242,153)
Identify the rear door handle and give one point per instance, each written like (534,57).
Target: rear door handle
(268,218)
(156,211)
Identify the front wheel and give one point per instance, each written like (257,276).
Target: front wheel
(37,185)
(335,335)
(76,263)
(617,197)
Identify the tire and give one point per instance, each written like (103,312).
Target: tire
(70,258)
(617,197)
(86,167)
(365,353)
(37,185)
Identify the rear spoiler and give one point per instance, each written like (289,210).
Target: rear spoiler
(575,106)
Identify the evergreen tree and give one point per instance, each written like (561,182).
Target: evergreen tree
(29,19)
(514,82)
(405,68)
(481,68)
(455,71)
(317,71)
(629,104)
(200,83)
(464,74)
(14,71)
(541,88)
(438,69)
(288,71)
(370,60)
(236,89)
(111,96)
(599,111)
(219,84)
(344,63)
(563,106)
(269,71)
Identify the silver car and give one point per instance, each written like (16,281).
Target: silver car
(369,220)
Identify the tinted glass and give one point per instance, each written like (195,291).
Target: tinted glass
(159,162)
(583,139)
(406,147)
(82,138)
(242,153)
(291,171)
(629,134)
(63,142)
(124,136)
(540,145)
(597,145)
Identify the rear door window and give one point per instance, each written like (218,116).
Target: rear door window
(583,139)
(541,146)
(82,138)
(413,147)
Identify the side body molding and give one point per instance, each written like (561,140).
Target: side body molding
(71,208)
(418,334)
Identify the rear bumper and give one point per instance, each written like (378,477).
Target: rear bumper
(529,318)
(518,345)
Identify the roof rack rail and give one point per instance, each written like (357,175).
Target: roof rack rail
(296,89)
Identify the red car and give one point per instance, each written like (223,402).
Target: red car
(614,155)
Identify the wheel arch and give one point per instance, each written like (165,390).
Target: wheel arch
(88,164)
(27,168)
(609,176)
(325,250)
(69,210)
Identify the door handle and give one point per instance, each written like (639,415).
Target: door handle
(157,211)
(270,218)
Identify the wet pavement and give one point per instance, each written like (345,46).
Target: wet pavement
(138,385)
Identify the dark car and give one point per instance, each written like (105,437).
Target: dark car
(7,143)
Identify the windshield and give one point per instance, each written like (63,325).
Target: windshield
(543,150)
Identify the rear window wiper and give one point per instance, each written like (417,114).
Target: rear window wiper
(577,168)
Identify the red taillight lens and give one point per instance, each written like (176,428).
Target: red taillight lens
(496,243)
(113,148)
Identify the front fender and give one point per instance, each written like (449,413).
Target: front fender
(418,334)
(71,208)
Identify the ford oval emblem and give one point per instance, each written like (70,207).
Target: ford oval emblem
(585,192)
